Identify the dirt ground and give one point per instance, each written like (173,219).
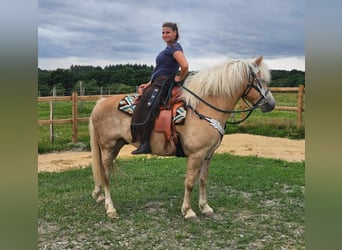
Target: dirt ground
(237,144)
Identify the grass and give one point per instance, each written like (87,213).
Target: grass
(259,204)
(275,123)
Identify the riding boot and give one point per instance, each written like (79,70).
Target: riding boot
(144,148)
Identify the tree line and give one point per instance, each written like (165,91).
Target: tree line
(123,78)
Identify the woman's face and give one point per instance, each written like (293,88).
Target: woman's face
(169,36)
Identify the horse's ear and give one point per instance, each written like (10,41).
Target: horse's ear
(258,60)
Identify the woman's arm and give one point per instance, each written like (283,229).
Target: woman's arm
(184,66)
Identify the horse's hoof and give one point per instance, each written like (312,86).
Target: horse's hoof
(100,198)
(112,215)
(94,194)
(191,216)
(192,219)
(210,215)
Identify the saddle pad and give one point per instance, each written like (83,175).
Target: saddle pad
(127,105)
(179,118)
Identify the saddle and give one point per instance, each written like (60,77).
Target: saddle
(170,115)
(165,122)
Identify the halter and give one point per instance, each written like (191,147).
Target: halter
(251,79)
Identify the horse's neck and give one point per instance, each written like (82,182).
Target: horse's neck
(219,103)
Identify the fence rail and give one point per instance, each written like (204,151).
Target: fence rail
(74,98)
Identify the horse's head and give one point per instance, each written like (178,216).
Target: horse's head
(257,91)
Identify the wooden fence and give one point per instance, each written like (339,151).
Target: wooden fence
(75,98)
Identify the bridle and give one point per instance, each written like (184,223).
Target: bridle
(253,82)
(253,78)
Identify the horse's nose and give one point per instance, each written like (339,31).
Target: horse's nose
(267,107)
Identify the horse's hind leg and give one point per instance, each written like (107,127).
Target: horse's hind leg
(203,203)
(102,160)
(107,161)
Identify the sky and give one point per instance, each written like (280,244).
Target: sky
(109,32)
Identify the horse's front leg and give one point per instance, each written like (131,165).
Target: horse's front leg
(203,203)
(110,209)
(192,171)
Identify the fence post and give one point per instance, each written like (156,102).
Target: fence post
(74,117)
(81,93)
(52,132)
(300,108)
(51,124)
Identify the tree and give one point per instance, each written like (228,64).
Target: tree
(284,78)
(115,78)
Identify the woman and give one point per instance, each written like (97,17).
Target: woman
(156,91)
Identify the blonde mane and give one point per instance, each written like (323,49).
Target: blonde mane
(225,79)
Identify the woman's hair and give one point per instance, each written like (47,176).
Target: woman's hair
(173,26)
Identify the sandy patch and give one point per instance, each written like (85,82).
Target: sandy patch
(237,144)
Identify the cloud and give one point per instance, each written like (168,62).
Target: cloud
(130,31)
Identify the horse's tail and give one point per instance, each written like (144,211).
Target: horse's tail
(97,166)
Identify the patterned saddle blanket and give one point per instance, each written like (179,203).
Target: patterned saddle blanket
(127,105)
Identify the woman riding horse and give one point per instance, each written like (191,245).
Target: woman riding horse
(163,77)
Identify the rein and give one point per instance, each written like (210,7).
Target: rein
(250,110)
(245,93)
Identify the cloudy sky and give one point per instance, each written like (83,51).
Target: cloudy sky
(104,32)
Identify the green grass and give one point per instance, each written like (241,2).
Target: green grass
(268,126)
(259,204)
(63,132)
(275,123)
(63,109)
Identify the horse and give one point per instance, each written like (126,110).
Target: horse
(210,96)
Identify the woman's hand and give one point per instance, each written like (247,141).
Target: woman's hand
(177,78)
(145,85)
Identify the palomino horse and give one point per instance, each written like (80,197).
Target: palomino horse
(210,96)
